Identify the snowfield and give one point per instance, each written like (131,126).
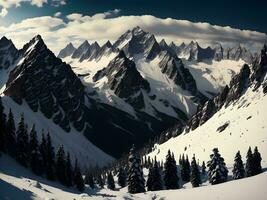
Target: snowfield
(16,182)
(247,126)
(74,142)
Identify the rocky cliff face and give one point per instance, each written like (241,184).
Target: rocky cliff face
(67,51)
(8,53)
(125,80)
(47,85)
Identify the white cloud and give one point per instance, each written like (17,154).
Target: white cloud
(105,26)
(6,4)
(57,14)
(3,12)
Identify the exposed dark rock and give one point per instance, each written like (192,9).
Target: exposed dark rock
(81,50)
(223,127)
(67,51)
(8,53)
(47,84)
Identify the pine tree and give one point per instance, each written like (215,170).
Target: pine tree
(11,135)
(69,172)
(171,178)
(50,167)
(100,181)
(36,162)
(238,169)
(257,161)
(3,134)
(250,170)
(195,173)
(22,153)
(61,165)
(122,177)
(110,181)
(217,172)
(149,179)
(185,169)
(157,183)
(136,181)
(89,179)
(203,168)
(78,179)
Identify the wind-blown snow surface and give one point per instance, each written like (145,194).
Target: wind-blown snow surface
(75,142)
(212,75)
(16,182)
(247,119)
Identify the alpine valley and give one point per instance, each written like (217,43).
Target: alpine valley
(97,100)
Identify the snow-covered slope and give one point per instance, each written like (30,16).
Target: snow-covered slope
(246,120)
(16,181)
(74,142)
(211,76)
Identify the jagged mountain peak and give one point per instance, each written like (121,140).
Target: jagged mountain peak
(67,51)
(108,44)
(8,53)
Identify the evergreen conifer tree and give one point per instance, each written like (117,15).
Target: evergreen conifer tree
(122,177)
(61,165)
(110,181)
(257,161)
(217,172)
(185,169)
(11,135)
(100,181)
(149,179)
(78,179)
(203,168)
(136,181)
(36,162)
(238,169)
(69,172)
(195,173)
(157,183)
(171,178)
(22,153)
(50,166)
(250,168)
(89,179)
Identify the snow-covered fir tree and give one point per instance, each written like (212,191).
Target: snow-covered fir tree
(122,177)
(11,135)
(250,163)
(50,167)
(110,181)
(22,148)
(69,172)
(185,169)
(78,179)
(36,161)
(257,161)
(89,179)
(171,178)
(195,173)
(136,181)
(149,179)
(238,169)
(157,183)
(203,168)
(61,165)
(217,171)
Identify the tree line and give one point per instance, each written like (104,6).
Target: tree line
(40,158)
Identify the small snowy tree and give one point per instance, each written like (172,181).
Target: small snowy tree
(149,179)
(217,172)
(157,183)
(11,135)
(171,178)
(78,179)
(136,181)
(185,170)
(122,177)
(69,172)
(257,161)
(195,173)
(203,168)
(61,165)
(238,169)
(250,163)
(110,181)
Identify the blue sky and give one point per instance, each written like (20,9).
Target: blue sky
(38,17)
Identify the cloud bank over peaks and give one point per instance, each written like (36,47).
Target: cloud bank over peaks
(77,27)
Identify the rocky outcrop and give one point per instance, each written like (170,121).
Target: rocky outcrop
(67,51)
(8,53)
(47,85)
(125,80)
(138,41)
(238,52)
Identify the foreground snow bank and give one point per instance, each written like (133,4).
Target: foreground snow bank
(17,182)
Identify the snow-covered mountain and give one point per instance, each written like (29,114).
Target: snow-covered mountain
(232,121)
